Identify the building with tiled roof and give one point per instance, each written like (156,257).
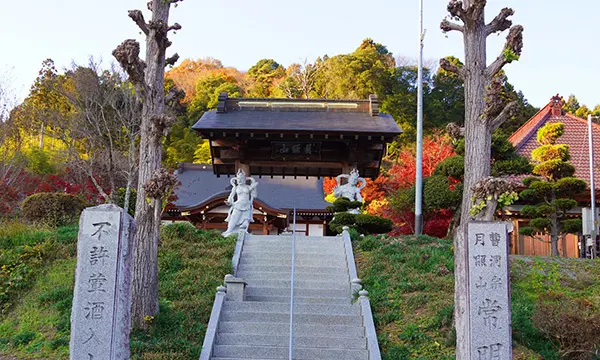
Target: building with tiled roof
(575,135)
(200,200)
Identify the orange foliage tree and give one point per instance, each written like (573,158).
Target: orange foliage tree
(187,74)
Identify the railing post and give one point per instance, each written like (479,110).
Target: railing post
(369,324)
(236,288)
(292,288)
(213,323)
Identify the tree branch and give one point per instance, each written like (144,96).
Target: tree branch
(172,59)
(448,26)
(175,27)
(511,52)
(506,113)
(127,54)
(138,18)
(500,22)
(450,67)
(455,131)
(456,10)
(174,96)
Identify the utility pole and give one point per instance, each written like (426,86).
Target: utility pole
(592,187)
(419,160)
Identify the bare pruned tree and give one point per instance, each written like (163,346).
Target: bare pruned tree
(11,164)
(485,111)
(101,133)
(148,78)
(301,79)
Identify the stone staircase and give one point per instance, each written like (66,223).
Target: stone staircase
(255,325)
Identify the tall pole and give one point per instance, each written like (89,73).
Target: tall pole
(419,161)
(592,186)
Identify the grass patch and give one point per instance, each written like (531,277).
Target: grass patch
(25,253)
(191,262)
(411,286)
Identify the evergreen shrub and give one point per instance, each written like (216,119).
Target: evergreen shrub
(53,209)
(362,223)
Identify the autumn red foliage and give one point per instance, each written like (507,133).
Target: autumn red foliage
(28,184)
(401,175)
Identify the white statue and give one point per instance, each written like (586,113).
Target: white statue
(240,201)
(350,190)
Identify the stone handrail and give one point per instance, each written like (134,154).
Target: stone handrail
(363,299)
(369,324)
(239,246)
(354,280)
(211,330)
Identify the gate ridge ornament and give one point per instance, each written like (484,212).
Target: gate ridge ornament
(240,202)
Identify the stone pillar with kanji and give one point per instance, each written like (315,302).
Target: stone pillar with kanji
(489,292)
(100,317)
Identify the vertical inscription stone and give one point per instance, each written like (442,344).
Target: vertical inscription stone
(100,317)
(489,292)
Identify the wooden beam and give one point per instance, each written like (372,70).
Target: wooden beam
(290,164)
(223,143)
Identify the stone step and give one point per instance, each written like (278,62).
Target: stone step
(268,275)
(300,299)
(302,292)
(287,249)
(299,244)
(289,237)
(270,352)
(298,270)
(339,263)
(299,308)
(298,284)
(269,317)
(299,341)
(261,254)
(283,329)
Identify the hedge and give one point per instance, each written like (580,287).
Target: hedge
(363,223)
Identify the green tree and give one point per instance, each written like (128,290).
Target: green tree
(202,153)
(446,102)
(368,70)
(263,75)
(551,193)
(583,112)
(571,105)
(45,107)
(207,94)
(182,143)
(437,195)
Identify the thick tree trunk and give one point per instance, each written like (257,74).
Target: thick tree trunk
(147,215)
(477,161)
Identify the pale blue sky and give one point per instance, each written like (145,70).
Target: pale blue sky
(561,52)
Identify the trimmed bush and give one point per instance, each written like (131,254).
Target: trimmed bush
(363,223)
(344,204)
(53,209)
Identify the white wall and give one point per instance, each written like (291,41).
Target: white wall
(315,229)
